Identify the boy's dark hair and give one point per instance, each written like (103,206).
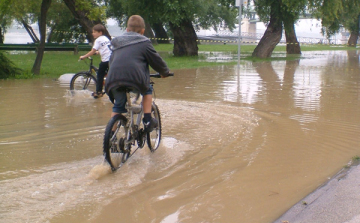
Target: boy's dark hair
(135,24)
(101,28)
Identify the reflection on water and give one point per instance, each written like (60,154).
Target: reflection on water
(218,56)
(236,145)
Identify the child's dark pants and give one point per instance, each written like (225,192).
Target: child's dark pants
(103,67)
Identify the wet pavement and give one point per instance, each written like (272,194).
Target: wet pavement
(337,201)
(236,145)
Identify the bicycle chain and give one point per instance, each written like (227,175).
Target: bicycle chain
(141,138)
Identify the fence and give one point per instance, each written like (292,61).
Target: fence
(48,47)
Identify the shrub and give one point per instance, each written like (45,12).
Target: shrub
(7,67)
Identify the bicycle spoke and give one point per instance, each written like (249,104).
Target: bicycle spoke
(154,137)
(83,81)
(114,142)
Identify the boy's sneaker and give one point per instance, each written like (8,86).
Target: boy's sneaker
(149,126)
(97,94)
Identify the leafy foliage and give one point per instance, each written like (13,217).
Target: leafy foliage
(95,10)
(74,33)
(64,27)
(203,13)
(337,13)
(19,10)
(289,9)
(5,19)
(7,67)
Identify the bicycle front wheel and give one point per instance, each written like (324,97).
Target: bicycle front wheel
(153,138)
(83,81)
(116,151)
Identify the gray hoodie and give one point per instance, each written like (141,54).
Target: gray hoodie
(129,62)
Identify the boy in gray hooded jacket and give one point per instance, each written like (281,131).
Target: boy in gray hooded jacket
(132,53)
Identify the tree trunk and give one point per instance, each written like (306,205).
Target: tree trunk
(51,33)
(84,20)
(354,35)
(45,5)
(160,33)
(272,35)
(353,39)
(1,36)
(30,31)
(185,39)
(149,33)
(292,44)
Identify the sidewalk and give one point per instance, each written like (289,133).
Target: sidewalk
(338,201)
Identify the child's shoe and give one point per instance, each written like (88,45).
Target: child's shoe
(97,94)
(149,126)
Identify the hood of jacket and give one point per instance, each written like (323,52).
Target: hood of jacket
(126,39)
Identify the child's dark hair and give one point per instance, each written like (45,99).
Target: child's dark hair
(101,28)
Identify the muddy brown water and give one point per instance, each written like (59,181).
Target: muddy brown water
(237,146)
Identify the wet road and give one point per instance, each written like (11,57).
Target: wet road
(237,146)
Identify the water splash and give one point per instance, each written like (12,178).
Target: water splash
(99,171)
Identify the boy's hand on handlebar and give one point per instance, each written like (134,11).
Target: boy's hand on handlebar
(82,57)
(166,75)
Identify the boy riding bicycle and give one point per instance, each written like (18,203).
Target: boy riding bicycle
(132,53)
(101,45)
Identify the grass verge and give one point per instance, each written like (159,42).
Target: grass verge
(55,64)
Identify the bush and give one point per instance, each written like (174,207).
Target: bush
(7,67)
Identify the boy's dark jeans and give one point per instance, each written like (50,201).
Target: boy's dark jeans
(103,67)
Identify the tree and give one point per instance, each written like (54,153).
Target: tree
(7,67)
(185,38)
(25,12)
(45,5)
(181,17)
(335,14)
(5,19)
(63,26)
(291,11)
(278,13)
(160,33)
(184,16)
(354,31)
(21,11)
(30,31)
(2,33)
(88,14)
(273,32)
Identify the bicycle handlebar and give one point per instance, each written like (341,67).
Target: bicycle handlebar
(85,58)
(157,75)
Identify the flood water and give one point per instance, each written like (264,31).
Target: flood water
(237,146)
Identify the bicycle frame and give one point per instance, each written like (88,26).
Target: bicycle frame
(123,131)
(132,110)
(92,67)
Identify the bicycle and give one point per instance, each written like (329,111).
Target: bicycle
(85,80)
(124,132)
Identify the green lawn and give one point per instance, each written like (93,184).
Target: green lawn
(55,64)
(250,48)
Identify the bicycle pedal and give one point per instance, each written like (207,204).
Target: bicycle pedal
(126,151)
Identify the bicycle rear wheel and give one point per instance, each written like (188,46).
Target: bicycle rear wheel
(83,81)
(115,151)
(153,138)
